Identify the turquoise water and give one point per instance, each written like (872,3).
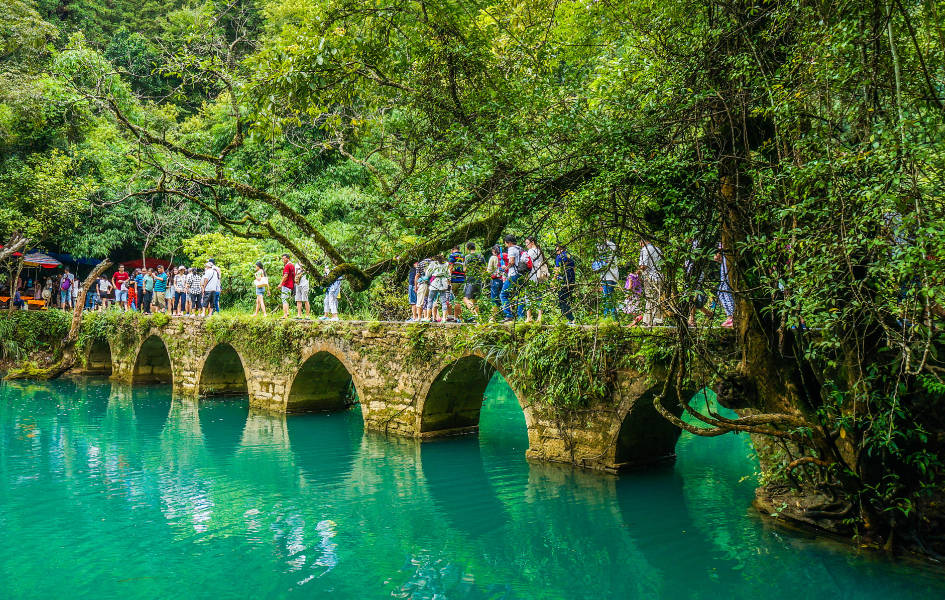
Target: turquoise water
(112,492)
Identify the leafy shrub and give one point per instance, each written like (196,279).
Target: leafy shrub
(23,332)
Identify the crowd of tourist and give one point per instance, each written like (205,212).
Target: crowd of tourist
(517,278)
(516,281)
(176,290)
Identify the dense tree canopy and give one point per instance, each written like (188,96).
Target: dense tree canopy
(807,138)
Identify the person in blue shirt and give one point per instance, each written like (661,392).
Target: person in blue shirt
(412,293)
(139,286)
(160,289)
(564,271)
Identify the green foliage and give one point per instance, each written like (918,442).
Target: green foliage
(276,340)
(563,366)
(25,332)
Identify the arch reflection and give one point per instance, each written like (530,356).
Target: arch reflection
(460,488)
(325,446)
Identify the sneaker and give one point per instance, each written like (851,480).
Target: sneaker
(728,323)
(322,318)
(334,319)
(410,320)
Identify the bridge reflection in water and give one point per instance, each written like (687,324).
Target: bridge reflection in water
(135,485)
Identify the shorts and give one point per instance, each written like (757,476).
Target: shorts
(195,300)
(285,293)
(411,294)
(423,290)
(472,290)
(121,296)
(260,291)
(301,293)
(456,290)
(160,300)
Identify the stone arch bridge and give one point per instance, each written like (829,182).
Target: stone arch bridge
(409,379)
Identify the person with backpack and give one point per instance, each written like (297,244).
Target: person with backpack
(517,266)
(495,270)
(65,289)
(564,273)
(650,262)
(438,273)
(475,269)
(606,265)
(456,261)
(538,275)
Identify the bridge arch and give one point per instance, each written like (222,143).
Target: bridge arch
(326,381)
(153,362)
(222,372)
(450,402)
(644,436)
(98,359)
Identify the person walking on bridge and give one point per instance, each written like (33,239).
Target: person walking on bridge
(121,291)
(287,287)
(194,286)
(261,283)
(650,262)
(211,287)
(495,269)
(510,287)
(564,272)
(475,272)
(331,298)
(301,292)
(160,289)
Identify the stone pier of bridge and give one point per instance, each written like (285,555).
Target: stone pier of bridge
(408,379)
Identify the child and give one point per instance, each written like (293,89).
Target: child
(129,287)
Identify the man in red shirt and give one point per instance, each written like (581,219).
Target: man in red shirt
(121,295)
(288,284)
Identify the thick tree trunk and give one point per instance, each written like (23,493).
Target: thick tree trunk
(14,282)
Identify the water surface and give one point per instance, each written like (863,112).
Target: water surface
(108,491)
